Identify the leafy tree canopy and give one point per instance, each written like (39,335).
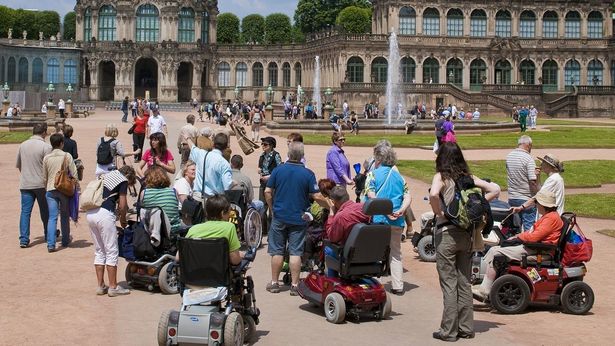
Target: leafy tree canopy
(70,25)
(31,21)
(315,15)
(355,20)
(7,20)
(253,29)
(228,28)
(278,28)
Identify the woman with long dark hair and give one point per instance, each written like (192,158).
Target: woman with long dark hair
(157,155)
(453,256)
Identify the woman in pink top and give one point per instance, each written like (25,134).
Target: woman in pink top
(157,155)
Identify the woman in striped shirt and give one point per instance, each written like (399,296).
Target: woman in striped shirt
(158,193)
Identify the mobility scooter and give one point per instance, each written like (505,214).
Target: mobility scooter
(355,290)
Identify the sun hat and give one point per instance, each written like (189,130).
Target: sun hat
(546,199)
(552,161)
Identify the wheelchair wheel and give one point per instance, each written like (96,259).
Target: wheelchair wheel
(426,249)
(249,327)
(163,326)
(577,298)
(168,281)
(335,308)
(233,330)
(252,229)
(128,274)
(510,294)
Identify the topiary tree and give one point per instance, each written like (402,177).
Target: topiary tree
(70,26)
(228,28)
(315,15)
(278,28)
(48,22)
(7,21)
(355,20)
(25,20)
(253,29)
(297,35)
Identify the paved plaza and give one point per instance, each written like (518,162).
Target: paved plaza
(49,298)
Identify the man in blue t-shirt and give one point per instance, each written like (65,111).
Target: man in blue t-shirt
(288,194)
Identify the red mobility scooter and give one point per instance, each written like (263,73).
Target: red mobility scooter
(365,255)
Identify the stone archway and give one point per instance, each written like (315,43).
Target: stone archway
(146,78)
(107,80)
(184,82)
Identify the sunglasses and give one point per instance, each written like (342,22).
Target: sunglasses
(264,145)
(341,140)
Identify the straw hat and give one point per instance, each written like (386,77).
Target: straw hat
(546,199)
(552,161)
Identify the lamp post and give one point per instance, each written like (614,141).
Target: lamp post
(69,101)
(51,108)
(269,109)
(5,102)
(329,101)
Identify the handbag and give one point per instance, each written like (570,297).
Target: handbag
(64,182)
(131,130)
(578,248)
(192,211)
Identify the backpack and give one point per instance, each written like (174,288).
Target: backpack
(92,197)
(256,118)
(469,210)
(104,152)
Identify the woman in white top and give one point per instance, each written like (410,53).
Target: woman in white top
(183,186)
(117,150)
(551,165)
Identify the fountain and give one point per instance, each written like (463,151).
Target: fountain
(316,95)
(393,95)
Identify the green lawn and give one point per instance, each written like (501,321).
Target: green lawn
(549,121)
(558,137)
(14,137)
(592,205)
(587,173)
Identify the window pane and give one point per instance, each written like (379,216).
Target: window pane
(502,24)
(595,73)
(70,72)
(455,26)
(549,28)
(53,70)
(431,26)
(106,23)
(594,28)
(573,25)
(186,25)
(355,70)
(224,74)
(87,25)
(37,71)
(205,27)
(527,28)
(147,23)
(478,27)
(572,73)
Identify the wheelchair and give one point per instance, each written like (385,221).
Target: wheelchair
(218,306)
(246,218)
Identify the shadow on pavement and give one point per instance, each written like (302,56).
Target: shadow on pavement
(258,335)
(484,326)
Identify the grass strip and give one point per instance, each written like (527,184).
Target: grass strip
(597,205)
(14,137)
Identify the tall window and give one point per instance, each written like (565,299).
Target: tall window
(549,25)
(379,70)
(454,22)
(286,75)
(1,69)
(106,23)
(224,74)
(148,23)
(87,25)
(527,71)
(573,24)
(407,21)
(408,70)
(527,27)
(612,72)
(257,74)
(502,23)
(478,23)
(431,71)
(572,73)
(549,75)
(594,25)
(241,74)
(454,72)
(272,71)
(355,68)
(297,74)
(205,27)
(502,72)
(595,73)
(70,72)
(186,25)
(11,70)
(37,71)
(478,71)
(431,22)
(53,70)
(23,70)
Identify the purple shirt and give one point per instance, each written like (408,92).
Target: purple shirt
(337,165)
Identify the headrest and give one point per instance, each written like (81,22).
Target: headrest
(378,206)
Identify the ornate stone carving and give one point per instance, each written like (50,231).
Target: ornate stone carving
(10,34)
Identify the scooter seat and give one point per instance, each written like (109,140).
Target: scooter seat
(547,260)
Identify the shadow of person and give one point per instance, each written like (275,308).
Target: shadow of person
(407,287)
(80,244)
(258,335)
(483,326)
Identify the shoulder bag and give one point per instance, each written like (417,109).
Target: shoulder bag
(64,182)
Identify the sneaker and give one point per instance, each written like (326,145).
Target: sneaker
(478,293)
(51,249)
(118,291)
(101,291)
(273,287)
(293,291)
(397,292)
(465,335)
(70,240)
(23,245)
(438,335)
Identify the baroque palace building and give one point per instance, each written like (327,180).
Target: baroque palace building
(557,54)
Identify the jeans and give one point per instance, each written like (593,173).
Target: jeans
(138,139)
(125,116)
(27,203)
(528,216)
(58,205)
(281,234)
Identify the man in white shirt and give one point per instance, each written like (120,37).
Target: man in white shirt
(476,114)
(9,112)
(522,180)
(156,124)
(533,116)
(187,131)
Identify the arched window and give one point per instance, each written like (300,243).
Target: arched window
(573,24)
(408,70)
(502,23)
(53,71)
(286,75)
(431,22)
(454,72)
(549,25)
(379,70)
(297,74)
(241,74)
(87,25)
(224,74)
(594,25)
(272,72)
(454,22)
(11,70)
(1,69)
(257,74)
(572,73)
(205,27)
(148,23)
(407,21)
(106,23)
(37,71)
(595,73)
(527,70)
(355,69)
(70,72)
(549,75)
(186,25)
(478,73)
(431,71)
(478,23)
(527,27)
(502,72)
(613,72)
(23,70)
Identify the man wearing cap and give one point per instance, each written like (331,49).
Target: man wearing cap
(267,162)
(522,180)
(547,230)
(552,166)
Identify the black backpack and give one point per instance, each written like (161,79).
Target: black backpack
(104,153)
(469,209)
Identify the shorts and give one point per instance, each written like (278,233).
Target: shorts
(281,234)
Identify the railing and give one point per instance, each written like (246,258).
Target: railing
(511,89)
(596,89)
(83,106)
(38,43)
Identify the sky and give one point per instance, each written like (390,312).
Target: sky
(241,8)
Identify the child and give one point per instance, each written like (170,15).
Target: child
(359,179)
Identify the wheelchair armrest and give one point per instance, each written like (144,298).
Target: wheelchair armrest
(183,230)
(541,247)
(335,247)
(249,256)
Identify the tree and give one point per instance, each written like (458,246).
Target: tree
(228,28)
(25,20)
(253,29)
(48,22)
(70,25)
(315,15)
(355,20)
(278,28)
(7,20)
(297,35)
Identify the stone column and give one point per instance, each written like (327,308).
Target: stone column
(539,26)
(514,73)
(490,22)
(514,28)
(443,24)
(196,80)
(79,27)
(466,76)
(419,22)
(213,30)
(584,80)
(419,71)
(94,25)
(561,79)
(442,77)
(197,27)
(69,108)
(606,75)
(561,26)
(583,25)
